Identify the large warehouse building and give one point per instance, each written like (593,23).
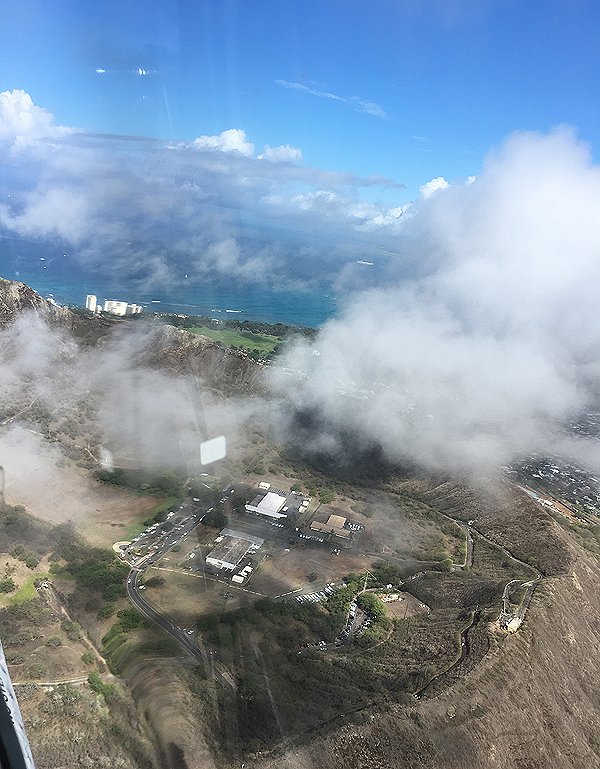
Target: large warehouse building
(231,547)
(278,504)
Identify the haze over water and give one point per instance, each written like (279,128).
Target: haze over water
(224,302)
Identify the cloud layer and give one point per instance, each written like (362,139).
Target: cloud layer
(156,211)
(497,341)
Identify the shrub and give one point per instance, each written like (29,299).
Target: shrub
(95,681)
(31,562)
(106,611)
(36,670)
(54,641)
(72,629)
(88,658)
(93,604)
(17,551)
(114,592)
(7,585)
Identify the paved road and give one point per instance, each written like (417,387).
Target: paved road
(469,554)
(191,518)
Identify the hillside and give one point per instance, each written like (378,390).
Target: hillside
(160,346)
(533,702)
(523,701)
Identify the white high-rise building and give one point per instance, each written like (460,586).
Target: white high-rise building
(114,307)
(90,303)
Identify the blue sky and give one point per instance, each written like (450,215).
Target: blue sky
(430,163)
(458,75)
(239,141)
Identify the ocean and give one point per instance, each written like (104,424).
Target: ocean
(251,302)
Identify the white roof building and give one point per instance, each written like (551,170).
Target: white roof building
(269,504)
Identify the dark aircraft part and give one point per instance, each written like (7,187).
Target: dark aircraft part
(15,752)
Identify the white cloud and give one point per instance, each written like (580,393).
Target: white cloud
(229,141)
(22,121)
(360,105)
(427,190)
(497,342)
(178,204)
(284,154)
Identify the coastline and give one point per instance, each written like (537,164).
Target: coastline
(267,305)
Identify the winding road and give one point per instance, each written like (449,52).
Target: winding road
(191,518)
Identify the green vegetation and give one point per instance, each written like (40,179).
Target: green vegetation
(260,339)
(215,519)
(54,641)
(26,592)
(37,671)
(72,629)
(308,688)
(167,483)
(96,569)
(7,585)
(155,581)
(106,611)
(119,650)
(88,658)
(97,684)
(371,605)
(325,495)
(248,342)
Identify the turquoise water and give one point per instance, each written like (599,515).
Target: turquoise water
(225,303)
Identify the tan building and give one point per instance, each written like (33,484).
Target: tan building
(331,524)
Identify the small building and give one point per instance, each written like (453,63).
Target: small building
(90,303)
(331,524)
(514,625)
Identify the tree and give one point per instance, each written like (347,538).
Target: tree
(371,605)
(155,581)
(31,562)
(326,496)
(88,658)
(95,681)
(296,487)
(7,585)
